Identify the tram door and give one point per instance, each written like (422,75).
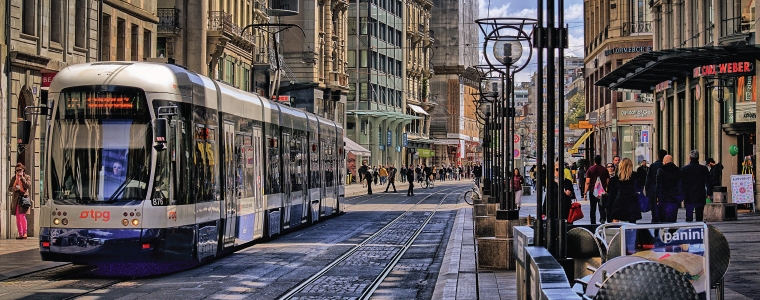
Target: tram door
(287,201)
(231,178)
(258,189)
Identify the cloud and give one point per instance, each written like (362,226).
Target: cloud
(574,13)
(488,9)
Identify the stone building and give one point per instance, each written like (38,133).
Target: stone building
(318,60)
(455,85)
(207,38)
(701,73)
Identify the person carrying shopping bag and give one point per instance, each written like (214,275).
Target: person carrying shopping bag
(20,204)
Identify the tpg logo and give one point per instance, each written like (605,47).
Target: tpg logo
(96,215)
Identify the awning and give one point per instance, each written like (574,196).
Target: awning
(418,109)
(357,149)
(580,142)
(645,71)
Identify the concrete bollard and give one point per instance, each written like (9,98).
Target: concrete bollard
(492,208)
(480,210)
(720,212)
(484,226)
(496,253)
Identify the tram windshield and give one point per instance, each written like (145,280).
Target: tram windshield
(100,146)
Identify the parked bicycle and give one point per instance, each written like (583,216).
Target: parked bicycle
(474,191)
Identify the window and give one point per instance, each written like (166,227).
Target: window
(245,83)
(351,58)
(121,28)
(146,44)
(363,28)
(363,59)
(80,17)
(105,38)
(351,25)
(28,8)
(134,43)
(55,20)
(351,92)
(363,91)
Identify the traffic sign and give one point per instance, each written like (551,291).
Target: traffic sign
(517,152)
(517,138)
(645,136)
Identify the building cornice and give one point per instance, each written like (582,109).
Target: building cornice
(133,10)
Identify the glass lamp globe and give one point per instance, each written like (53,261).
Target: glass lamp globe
(507,52)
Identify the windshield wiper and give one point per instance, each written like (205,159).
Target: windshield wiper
(123,185)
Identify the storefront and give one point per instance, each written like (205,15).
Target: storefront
(634,124)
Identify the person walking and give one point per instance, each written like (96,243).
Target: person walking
(391,179)
(363,173)
(418,172)
(641,175)
(612,191)
(567,194)
(478,173)
(668,190)
(410,178)
(376,175)
(596,172)
(716,172)
(440,175)
(626,206)
(369,177)
(517,183)
(19,185)
(461,172)
(383,175)
(652,182)
(427,172)
(696,180)
(403,174)
(581,179)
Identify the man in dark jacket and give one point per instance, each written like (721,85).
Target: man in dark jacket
(410,178)
(597,171)
(478,173)
(403,174)
(716,172)
(363,172)
(641,173)
(668,190)
(651,182)
(391,178)
(696,178)
(369,177)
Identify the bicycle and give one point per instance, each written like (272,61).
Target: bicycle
(430,183)
(472,192)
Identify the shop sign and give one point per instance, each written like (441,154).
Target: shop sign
(584,125)
(662,103)
(746,109)
(727,68)
(627,50)
(425,153)
(663,86)
(573,126)
(593,118)
(47,78)
(389,137)
(627,111)
(403,139)
(742,189)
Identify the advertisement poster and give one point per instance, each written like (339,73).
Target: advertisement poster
(742,189)
(679,246)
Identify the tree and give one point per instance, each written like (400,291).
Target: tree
(576,109)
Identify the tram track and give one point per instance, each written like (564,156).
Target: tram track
(72,277)
(398,250)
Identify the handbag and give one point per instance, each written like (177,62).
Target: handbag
(598,188)
(575,212)
(25,202)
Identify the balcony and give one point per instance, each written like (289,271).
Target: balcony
(168,21)
(222,22)
(637,28)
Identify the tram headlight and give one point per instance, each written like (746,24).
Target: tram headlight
(65,221)
(135,222)
(125,222)
(56,221)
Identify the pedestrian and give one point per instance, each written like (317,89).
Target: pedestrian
(626,206)
(369,176)
(363,173)
(410,178)
(582,179)
(403,173)
(609,198)
(696,180)
(596,173)
(567,194)
(427,172)
(441,177)
(517,183)
(668,190)
(641,175)
(391,179)
(533,175)
(652,182)
(375,175)
(716,172)
(478,173)
(383,174)
(20,185)
(461,172)
(616,161)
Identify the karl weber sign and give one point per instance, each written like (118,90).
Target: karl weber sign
(627,50)
(727,68)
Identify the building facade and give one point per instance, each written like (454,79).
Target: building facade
(453,125)
(613,36)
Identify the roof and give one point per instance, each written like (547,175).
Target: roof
(357,149)
(645,71)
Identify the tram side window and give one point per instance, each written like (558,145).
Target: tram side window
(328,161)
(315,173)
(295,161)
(272,143)
(207,185)
(245,165)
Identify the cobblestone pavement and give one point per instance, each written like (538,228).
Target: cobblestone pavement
(270,269)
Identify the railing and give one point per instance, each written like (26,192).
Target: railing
(168,21)
(735,25)
(222,21)
(635,28)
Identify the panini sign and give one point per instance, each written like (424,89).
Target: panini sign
(727,68)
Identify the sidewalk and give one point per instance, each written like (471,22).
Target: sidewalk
(460,278)
(357,189)
(19,257)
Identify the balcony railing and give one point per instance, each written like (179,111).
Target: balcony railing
(222,21)
(168,21)
(636,28)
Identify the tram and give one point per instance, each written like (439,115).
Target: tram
(152,163)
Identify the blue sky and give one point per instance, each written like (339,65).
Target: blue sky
(527,9)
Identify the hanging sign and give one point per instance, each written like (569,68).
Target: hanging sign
(403,139)
(47,78)
(388,138)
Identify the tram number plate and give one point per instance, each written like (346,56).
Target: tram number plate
(157,202)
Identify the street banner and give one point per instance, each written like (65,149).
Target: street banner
(742,189)
(403,139)
(461,149)
(680,246)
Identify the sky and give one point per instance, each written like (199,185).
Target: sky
(527,9)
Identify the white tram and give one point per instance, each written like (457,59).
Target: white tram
(151,163)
